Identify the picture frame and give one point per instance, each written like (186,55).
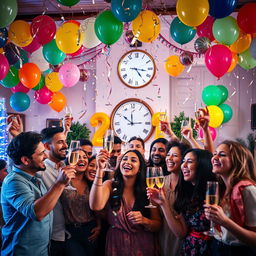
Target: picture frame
(54,122)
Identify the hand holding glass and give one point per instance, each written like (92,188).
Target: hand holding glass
(159,177)
(108,143)
(150,181)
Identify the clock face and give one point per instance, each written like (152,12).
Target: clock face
(132,117)
(136,68)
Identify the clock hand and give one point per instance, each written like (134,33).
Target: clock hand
(141,69)
(135,123)
(132,117)
(140,75)
(127,119)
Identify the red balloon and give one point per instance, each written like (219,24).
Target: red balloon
(30,75)
(205,29)
(4,66)
(79,51)
(33,46)
(246,18)
(43,95)
(218,59)
(212,132)
(20,88)
(43,28)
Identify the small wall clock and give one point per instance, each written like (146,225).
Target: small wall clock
(132,117)
(136,68)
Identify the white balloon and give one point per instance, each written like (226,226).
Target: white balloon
(90,38)
(37,57)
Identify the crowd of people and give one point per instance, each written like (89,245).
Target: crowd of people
(50,207)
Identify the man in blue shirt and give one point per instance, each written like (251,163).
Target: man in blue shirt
(26,204)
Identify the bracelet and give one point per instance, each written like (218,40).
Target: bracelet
(98,185)
(98,177)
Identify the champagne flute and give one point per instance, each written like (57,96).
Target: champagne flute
(108,143)
(150,181)
(162,118)
(212,198)
(68,114)
(159,180)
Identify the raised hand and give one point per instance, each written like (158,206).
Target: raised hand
(156,196)
(15,125)
(102,159)
(135,217)
(204,119)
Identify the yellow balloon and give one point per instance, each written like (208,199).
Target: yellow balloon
(192,12)
(53,82)
(233,62)
(216,116)
(146,27)
(19,33)
(69,38)
(242,43)
(173,66)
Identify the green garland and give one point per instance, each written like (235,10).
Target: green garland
(78,131)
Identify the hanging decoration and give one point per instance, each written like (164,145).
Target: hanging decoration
(3,130)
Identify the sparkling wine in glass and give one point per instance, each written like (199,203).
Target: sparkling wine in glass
(108,143)
(159,180)
(68,114)
(162,118)
(150,181)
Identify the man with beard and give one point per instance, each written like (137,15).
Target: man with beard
(157,154)
(26,204)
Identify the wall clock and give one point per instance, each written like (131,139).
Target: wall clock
(132,117)
(136,68)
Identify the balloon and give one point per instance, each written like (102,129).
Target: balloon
(226,30)
(233,62)
(58,101)
(216,116)
(52,53)
(20,101)
(202,44)
(29,75)
(73,21)
(180,32)
(69,74)
(90,38)
(53,82)
(173,66)
(38,59)
(211,95)
(19,33)
(218,59)
(69,37)
(224,93)
(11,79)
(20,88)
(68,2)
(246,18)
(23,58)
(43,29)
(84,75)
(3,36)
(126,11)
(205,29)
(4,66)
(186,58)
(212,132)
(44,95)
(41,84)
(8,10)
(227,111)
(246,60)
(108,28)
(12,53)
(33,46)
(78,52)
(222,8)
(242,43)
(253,48)
(192,13)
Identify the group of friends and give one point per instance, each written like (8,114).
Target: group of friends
(52,208)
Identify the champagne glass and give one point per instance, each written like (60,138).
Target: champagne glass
(124,147)
(159,180)
(68,114)
(108,143)
(184,123)
(212,198)
(162,118)
(150,181)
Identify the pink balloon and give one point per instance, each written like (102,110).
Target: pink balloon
(4,66)
(43,28)
(20,88)
(212,131)
(33,46)
(218,59)
(205,29)
(43,95)
(69,74)
(79,51)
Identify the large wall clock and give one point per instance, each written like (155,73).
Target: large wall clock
(132,117)
(136,68)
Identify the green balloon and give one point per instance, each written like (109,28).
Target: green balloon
(52,53)
(211,95)
(11,79)
(68,2)
(41,83)
(246,60)
(108,28)
(22,59)
(224,93)
(8,11)
(227,111)
(226,30)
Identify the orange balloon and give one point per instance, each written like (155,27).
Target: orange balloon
(58,101)
(1,50)
(29,75)
(242,43)
(233,62)
(173,66)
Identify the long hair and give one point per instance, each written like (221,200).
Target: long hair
(191,197)
(139,187)
(89,183)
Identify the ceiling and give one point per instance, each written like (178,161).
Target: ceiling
(27,9)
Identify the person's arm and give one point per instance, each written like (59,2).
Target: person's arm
(67,124)
(100,192)
(187,132)
(166,128)
(15,125)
